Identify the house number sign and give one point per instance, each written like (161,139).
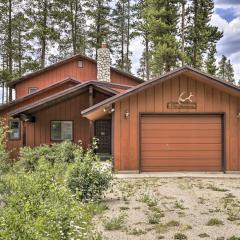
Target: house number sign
(184,102)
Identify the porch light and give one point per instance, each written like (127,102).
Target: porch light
(109,110)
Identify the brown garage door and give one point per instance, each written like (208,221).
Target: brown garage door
(181,143)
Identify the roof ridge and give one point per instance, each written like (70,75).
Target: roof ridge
(68,59)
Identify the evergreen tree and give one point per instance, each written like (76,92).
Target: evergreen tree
(222,67)
(162,23)
(71,18)
(143,30)
(98,13)
(122,32)
(226,71)
(143,68)
(229,72)
(211,60)
(200,34)
(44,31)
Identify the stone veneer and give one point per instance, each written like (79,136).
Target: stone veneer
(103,64)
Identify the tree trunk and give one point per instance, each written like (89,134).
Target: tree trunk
(128,37)
(19,53)
(183,29)
(147,57)
(43,37)
(10,47)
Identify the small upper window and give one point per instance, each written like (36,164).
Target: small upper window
(14,129)
(32,90)
(80,64)
(61,130)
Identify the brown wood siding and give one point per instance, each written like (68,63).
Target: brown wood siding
(181,143)
(70,69)
(39,132)
(155,99)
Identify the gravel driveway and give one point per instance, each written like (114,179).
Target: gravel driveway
(171,208)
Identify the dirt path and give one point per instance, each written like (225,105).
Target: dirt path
(173,208)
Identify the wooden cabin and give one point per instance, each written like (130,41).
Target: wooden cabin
(48,103)
(185,120)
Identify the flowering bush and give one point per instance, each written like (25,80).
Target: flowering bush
(89,179)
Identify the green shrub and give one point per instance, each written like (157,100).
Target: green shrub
(115,223)
(180,236)
(214,222)
(4,155)
(89,179)
(38,205)
(65,152)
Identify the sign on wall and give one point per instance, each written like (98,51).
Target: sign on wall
(184,102)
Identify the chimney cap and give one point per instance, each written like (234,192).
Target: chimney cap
(104,45)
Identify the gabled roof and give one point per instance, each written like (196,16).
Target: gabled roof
(186,70)
(66,94)
(39,92)
(64,61)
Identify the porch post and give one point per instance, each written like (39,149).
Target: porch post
(91,123)
(24,138)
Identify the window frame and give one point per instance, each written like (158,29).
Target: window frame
(30,88)
(61,140)
(20,130)
(82,64)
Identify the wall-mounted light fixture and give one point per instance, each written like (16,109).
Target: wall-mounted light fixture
(238,115)
(108,110)
(126,114)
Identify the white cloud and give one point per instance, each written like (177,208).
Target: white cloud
(229,45)
(136,47)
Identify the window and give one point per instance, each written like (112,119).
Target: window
(32,90)
(61,130)
(80,64)
(14,130)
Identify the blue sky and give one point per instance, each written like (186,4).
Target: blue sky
(227,17)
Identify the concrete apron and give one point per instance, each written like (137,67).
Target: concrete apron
(219,175)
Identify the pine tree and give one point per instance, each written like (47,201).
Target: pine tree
(122,33)
(44,31)
(222,67)
(229,72)
(226,71)
(161,18)
(70,16)
(211,60)
(98,12)
(200,34)
(143,30)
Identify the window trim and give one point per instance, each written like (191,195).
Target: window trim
(54,140)
(82,66)
(35,88)
(20,130)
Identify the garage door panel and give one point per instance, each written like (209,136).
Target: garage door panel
(184,126)
(151,161)
(182,154)
(182,168)
(181,119)
(197,133)
(181,143)
(180,146)
(150,140)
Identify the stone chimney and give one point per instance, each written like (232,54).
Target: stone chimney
(103,63)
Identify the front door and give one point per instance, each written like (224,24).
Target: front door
(103,134)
